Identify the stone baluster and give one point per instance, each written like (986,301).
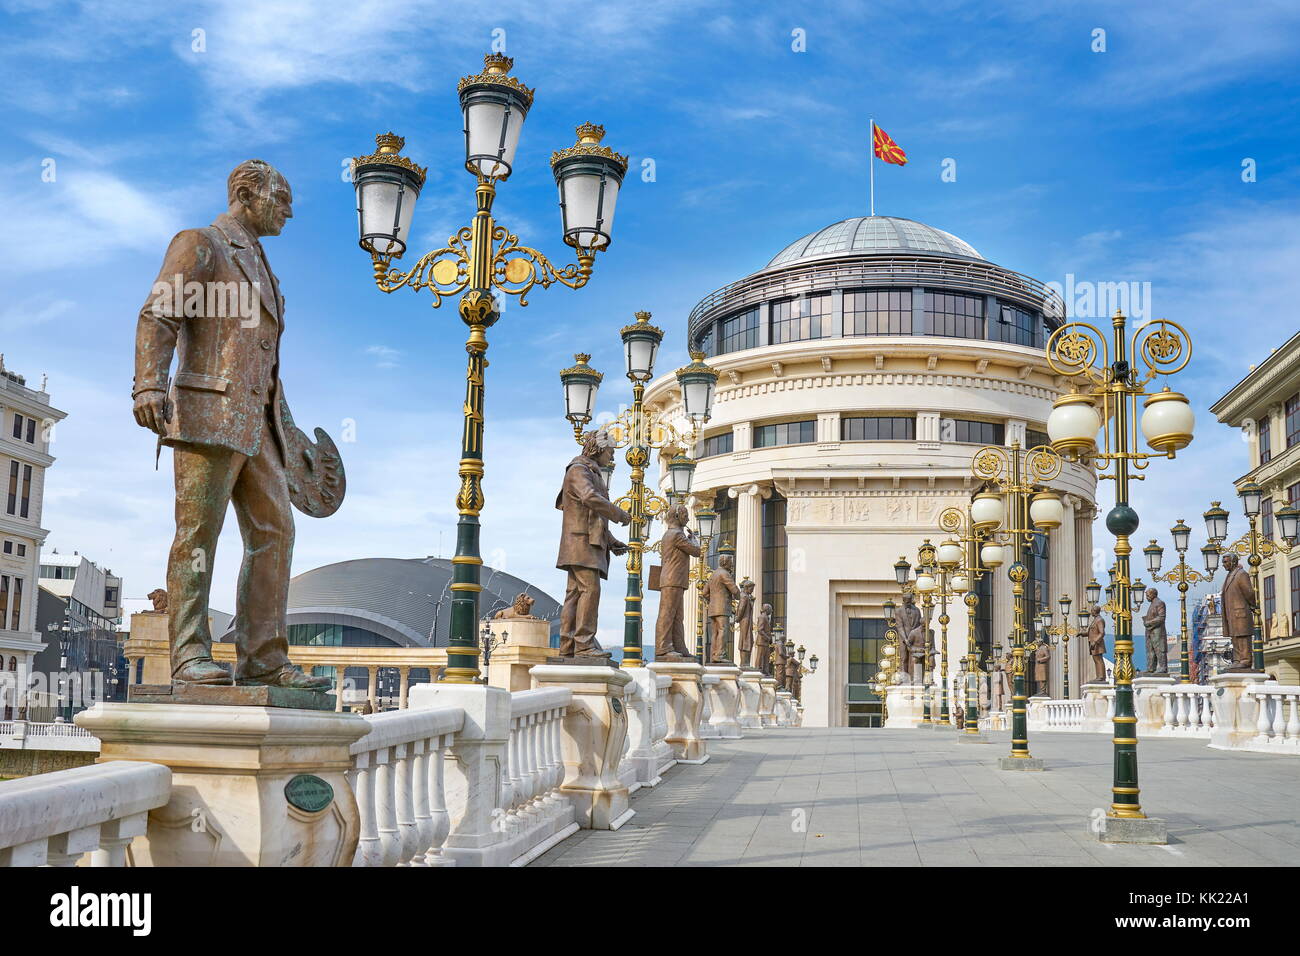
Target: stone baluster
(404,769)
(438,818)
(1293,723)
(369,852)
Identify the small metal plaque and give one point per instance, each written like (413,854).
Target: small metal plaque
(309,793)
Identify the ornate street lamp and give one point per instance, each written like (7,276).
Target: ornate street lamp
(641,430)
(706,520)
(1107,368)
(478,262)
(1093,591)
(1182,576)
(1256,546)
(1062,631)
(1016,514)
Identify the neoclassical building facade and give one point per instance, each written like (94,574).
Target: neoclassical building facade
(861,369)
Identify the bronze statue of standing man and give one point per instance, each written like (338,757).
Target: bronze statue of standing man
(720,590)
(1239,605)
(1153,623)
(586,544)
(1097,644)
(676,548)
(216,307)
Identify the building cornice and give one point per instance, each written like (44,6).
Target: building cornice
(25,453)
(1273,381)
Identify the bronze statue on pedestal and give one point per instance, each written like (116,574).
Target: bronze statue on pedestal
(676,548)
(911,636)
(216,307)
(1239,604)
(745,623)
(763,640)
(720,590)
(1097,644)
(1154,623)
(586,544)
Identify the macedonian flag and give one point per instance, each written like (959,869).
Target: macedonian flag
(886,148)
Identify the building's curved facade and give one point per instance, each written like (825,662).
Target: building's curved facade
(860,370)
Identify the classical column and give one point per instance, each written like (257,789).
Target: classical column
(1061,579)
(749,538)
(372,686)
(404,677)
(340,678)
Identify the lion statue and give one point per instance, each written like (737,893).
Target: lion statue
(159,598)
(523,607)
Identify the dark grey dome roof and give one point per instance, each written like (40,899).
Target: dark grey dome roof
(400,598)
(884,235)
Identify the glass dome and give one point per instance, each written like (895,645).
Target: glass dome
(883,235)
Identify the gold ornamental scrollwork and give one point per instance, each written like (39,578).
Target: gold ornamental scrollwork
(988,463)
(1075,348)
(444,272)
(1164,345)
(1043,463)
(516,269)
(951,520)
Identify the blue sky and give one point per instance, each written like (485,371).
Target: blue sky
(1122,165)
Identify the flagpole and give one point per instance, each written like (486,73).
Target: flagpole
(871,161)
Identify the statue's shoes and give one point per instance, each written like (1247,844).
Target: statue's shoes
(203,671)
(290,677)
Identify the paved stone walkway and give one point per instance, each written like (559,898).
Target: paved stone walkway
(915,798)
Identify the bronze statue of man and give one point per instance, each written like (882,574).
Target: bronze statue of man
(1239,604)
(676,548)
(720,590)
(1154,623)
(792,674)
(911,636)
(586,544)
(1000,686)
(1097,644)
(763,640)
(217,308)
(1042,661)
(745,623)
(778,662)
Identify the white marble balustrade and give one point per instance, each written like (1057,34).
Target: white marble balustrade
(533,815)
(55,819)
(397,777)
(1189,711)
(1277,723)
(29,735)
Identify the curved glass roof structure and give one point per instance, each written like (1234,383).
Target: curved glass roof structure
(885,235)
(403,599)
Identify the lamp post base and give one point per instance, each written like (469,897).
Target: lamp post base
(1149,830)
(965,738)
(1020,763)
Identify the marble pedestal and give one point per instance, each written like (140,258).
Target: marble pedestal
(595,730)
(1020,763)
(1149,704)
(767,702)
(1148,830)
(648,754)
(230,767)
(724,700)
(707,683)
(528,643)
(1235,712)
(684,705)
(785,716)
(750,699)
(905,705)
(1097,699)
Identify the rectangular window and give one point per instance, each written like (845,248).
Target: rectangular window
(1033,439)
(786,433)
(1016,326)
(722,444)
(866,635)
(11,505)
(1295,600)
(1265,440)
(22,551)
(110,596)
(878,312)
(17,610)
(1266,516)
(1293,495)
(957,316)
(878,429)
(4,599)
(9,547)
(1270,604)
(976,433)
(773,584)
(1293,420)
(27,490)
(739,332)
(705,342)
(18,426)
(31,431)
(795,320)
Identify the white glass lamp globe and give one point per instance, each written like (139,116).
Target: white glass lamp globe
(991,555)
(988,511)
(950,554)
(960,584)
(1073,424)
(1046,510)
(1167,421)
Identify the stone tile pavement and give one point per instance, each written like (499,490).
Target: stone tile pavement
(874,797)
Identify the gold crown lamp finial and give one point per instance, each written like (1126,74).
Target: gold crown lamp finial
(389,142)
(590,133)
(642,316)
(497,63)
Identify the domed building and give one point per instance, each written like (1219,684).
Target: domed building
(860,370)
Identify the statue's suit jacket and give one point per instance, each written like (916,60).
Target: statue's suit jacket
(676,549)
(585,539)
(227,364)
(720,590)
(1239,603)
